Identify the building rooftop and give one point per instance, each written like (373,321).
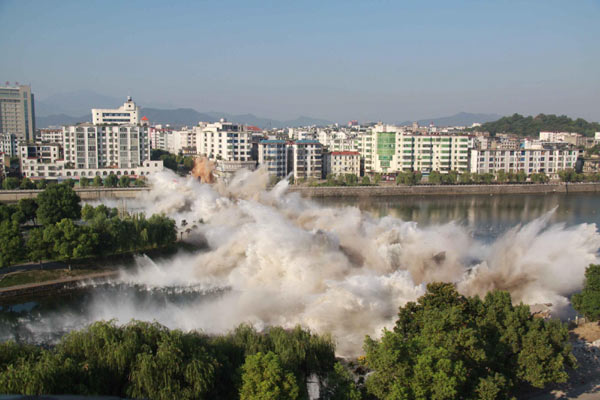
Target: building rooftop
(272,141)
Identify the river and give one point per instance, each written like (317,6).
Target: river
(158,296)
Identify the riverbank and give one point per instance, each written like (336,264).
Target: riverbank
(91,194)
(54,286)
(443,190)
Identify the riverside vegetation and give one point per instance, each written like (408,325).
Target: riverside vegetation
(50,228)
(443,346)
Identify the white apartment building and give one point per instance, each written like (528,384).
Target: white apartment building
(363,143)
(37,169)
(50,135)
(224,141)
(307,157)
(128,113)
(105,146)
(8,144)
(567,137)
(394,152)
(549,160)
(273,154)
(40,157)
(341,163)
(160,137)
(183,141)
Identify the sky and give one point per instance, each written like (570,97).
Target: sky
(338,60)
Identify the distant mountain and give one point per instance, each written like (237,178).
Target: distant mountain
(460,119)
(531,126)
(59,120)
(186,117)
(79,102)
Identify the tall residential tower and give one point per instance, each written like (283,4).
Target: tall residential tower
(17,111)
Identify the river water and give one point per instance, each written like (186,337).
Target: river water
(176,302)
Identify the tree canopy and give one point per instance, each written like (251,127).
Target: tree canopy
(531,126)
(448,346)
(57,202)
(587,302)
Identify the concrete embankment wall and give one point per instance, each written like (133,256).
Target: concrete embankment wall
(13,196)
(51,287)
(447,190)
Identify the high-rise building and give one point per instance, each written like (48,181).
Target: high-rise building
(17,111)
(128,113)
(8,144)
(307,158)
(273,154)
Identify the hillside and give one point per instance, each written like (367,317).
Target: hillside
(531,126)
(460,119)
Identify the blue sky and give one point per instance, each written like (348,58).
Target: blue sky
(339,60)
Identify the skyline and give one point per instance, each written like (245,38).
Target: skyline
(337,61)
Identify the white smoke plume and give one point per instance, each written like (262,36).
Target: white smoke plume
(275,258)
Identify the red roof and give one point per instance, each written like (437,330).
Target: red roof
(144,118)
(254,128)
(345,153)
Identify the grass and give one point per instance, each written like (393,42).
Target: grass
(37,276)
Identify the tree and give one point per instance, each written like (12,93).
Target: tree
(111,180)
(29,208)
(38,249)
(41,184)
(140,182)
(97,182)
(365,180)
(10,183)
(465,178)
(57,202)
(11,243)
(339,385)
(263,378)
(124,181)
(587,302)
(501,176)
(435,178)
(447,346)
(84,182)
(351,179)
(27,184)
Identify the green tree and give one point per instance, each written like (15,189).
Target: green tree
(29,208)
(38,249)
(351,179)
(84,182)
(435,178)
(97,182)
(140,182)
(339,385)
(501,176)
(264,378)
(11,243)
(41,184)
(465,178)
(447,346)
(124,181)
(111,180)
(27,184)
(587,302)
(365,180)
(57,202)
(10,183)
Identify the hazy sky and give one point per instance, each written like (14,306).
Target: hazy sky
(339,60)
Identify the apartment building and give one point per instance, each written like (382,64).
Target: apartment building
(341,163)
(160,137)
(17,111)
(8,144)
(549,160)
(224,141)
(273,154)
(40,159)
(50,135)
(105,146)
(307,159)
(128,113)
(397,151)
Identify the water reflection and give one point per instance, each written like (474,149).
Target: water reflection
(487,216)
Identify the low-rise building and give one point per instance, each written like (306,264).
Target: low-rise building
(341,162)
(549,160)
(50,135)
